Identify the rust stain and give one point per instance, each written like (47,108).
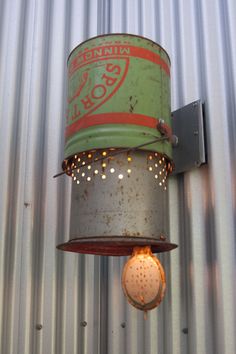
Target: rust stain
(128,233)
(108,220)
(131,107)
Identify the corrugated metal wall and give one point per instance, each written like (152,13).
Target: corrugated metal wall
(52,302)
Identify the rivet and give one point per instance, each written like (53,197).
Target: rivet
(39,326)
(162,238)
(83,324)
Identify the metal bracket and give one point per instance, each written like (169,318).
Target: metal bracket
(188,127)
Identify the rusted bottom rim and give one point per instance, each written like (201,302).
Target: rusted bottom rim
(114,246)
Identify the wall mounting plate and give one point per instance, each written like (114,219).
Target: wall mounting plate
(188,126)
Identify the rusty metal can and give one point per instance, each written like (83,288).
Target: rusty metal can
(118,90)
(119,206)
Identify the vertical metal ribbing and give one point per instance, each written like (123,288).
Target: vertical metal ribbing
(199,36)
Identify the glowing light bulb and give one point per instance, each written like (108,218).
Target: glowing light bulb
(143,279)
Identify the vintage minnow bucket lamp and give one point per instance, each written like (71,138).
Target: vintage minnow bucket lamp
(118,153)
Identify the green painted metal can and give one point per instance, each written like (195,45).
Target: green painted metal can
(118,90)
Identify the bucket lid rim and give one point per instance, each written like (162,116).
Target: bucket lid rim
(118,34)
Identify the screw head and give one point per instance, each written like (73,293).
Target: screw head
(39,326)
(83,324)
(162,238)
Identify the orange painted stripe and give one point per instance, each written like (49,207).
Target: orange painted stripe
(89,56)
(114,118)
(151,56)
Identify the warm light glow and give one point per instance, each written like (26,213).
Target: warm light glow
(79,165)
(143,279)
